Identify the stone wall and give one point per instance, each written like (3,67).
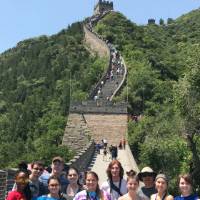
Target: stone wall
(96,44)
(3,175)
(83,159)
(112,127)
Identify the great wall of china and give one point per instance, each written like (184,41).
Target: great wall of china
(88,122)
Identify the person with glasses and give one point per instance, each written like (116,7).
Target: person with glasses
(54,186)
(92,190)
(147,176)
(20,191)
(74,185)
(36,186)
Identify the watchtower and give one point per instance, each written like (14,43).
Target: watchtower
(103,6)
(151,21)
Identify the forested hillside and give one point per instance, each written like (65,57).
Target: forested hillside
(163,89)
(38,77)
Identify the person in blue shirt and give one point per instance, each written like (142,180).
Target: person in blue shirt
(185,187)
(54,187)
(57,167)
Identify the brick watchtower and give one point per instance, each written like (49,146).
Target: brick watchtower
(103,6)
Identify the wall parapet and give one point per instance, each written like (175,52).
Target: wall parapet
(92,39)
(3,178)
(82,160)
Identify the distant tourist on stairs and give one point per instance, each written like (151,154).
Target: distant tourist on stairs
(147,176)
(116,184)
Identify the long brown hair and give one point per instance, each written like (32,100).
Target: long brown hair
(108,171)
(98,191)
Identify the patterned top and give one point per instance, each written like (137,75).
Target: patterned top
(92,196)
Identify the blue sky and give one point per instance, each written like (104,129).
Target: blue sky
(22,19)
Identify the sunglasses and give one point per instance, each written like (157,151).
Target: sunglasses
(53,185)
(22,181)
(147,174)
(38,169)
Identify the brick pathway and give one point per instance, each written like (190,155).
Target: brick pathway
(100,166)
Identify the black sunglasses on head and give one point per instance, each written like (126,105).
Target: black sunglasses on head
(145,174)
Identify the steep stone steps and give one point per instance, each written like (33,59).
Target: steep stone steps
(76,134)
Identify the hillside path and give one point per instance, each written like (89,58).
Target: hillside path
(101,165)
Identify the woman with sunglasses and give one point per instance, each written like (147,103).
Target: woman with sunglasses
(161,183)
(20,191)
(185,187)
(92,191)
(74,186)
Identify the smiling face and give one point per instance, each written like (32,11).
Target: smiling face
(21,180)
(132,184)
(115,170)
(185,187)
(161,185)
(54,187)
(148,180)
(37,170)
(57,167)
(91,182)
(72,176)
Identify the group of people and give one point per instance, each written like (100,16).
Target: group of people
(37,184)
(116,65)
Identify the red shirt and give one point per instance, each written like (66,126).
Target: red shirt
(15,195)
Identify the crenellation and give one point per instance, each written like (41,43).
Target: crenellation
(103,6)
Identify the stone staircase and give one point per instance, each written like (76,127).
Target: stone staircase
(76,132)
(102,118)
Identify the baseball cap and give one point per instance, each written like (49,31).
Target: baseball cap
(58,158)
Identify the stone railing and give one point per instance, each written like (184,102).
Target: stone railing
(131,159)
(84,158)
(123,80)
(3,178)
(104,108)
(100,45)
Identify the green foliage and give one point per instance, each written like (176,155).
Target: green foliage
(163,90)
(38,79)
